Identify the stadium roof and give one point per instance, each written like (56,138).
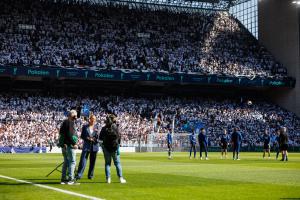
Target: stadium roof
(169,4)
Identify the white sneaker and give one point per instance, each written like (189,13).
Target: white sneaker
(238,159)
(122,180)
(206,158)
(73,182)
(200,158)
(108,180)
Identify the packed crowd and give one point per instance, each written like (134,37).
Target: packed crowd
(42,33)
(34,120)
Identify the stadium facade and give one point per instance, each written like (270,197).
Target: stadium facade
(279,31)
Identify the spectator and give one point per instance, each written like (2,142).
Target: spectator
(42,33)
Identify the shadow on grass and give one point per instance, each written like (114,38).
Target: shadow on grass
(47,183)
(290,198)
(41,179)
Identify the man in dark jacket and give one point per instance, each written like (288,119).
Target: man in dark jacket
(111,142)
(68,142)
(203,142)
(277,143)
(284,139)
(236,140)
(90,148)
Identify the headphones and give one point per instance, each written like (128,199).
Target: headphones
(110,119)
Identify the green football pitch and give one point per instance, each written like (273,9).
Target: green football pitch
(153,176)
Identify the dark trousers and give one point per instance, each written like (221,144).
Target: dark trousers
(83,159)
(236,149)
(169,149)
(277,149)
(203,147)
(193,148)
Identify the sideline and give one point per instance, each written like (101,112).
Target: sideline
(52,188)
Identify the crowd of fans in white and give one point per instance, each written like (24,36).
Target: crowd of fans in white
(29,121)
(41,33)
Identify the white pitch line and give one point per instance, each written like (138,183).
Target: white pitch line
(52,188)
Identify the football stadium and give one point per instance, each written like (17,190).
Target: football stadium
(149,99)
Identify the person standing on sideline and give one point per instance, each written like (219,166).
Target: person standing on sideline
(111,142)
(192,139)
(203,142)
(277,143)
(224,144)
(284,139)
(267,146)
(236,140)
(68,142)
(169,142)
(90,148)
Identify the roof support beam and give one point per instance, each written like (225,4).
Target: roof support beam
(183,5)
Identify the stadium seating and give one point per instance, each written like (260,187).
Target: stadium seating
(34,120)
(41,33)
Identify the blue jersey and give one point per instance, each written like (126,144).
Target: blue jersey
(224,139)
(236,137)
(169,138)
(202,139)
(277,140)
(192,139)
(267,139)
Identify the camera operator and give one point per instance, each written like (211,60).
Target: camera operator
(68,142)
(111,142)
(90,148)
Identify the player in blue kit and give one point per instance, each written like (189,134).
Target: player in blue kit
(277,143)
(169,142)
(267,143)
(192,139)
(224,143)
(203,142)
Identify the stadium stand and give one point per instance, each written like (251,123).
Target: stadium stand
(42,33)
(34,120)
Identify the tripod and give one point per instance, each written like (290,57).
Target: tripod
(55,169)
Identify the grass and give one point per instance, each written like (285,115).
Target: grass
(153,176)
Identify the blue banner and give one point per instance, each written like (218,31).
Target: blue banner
(119,75)
(196,125)
(85,110)
(22,149)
